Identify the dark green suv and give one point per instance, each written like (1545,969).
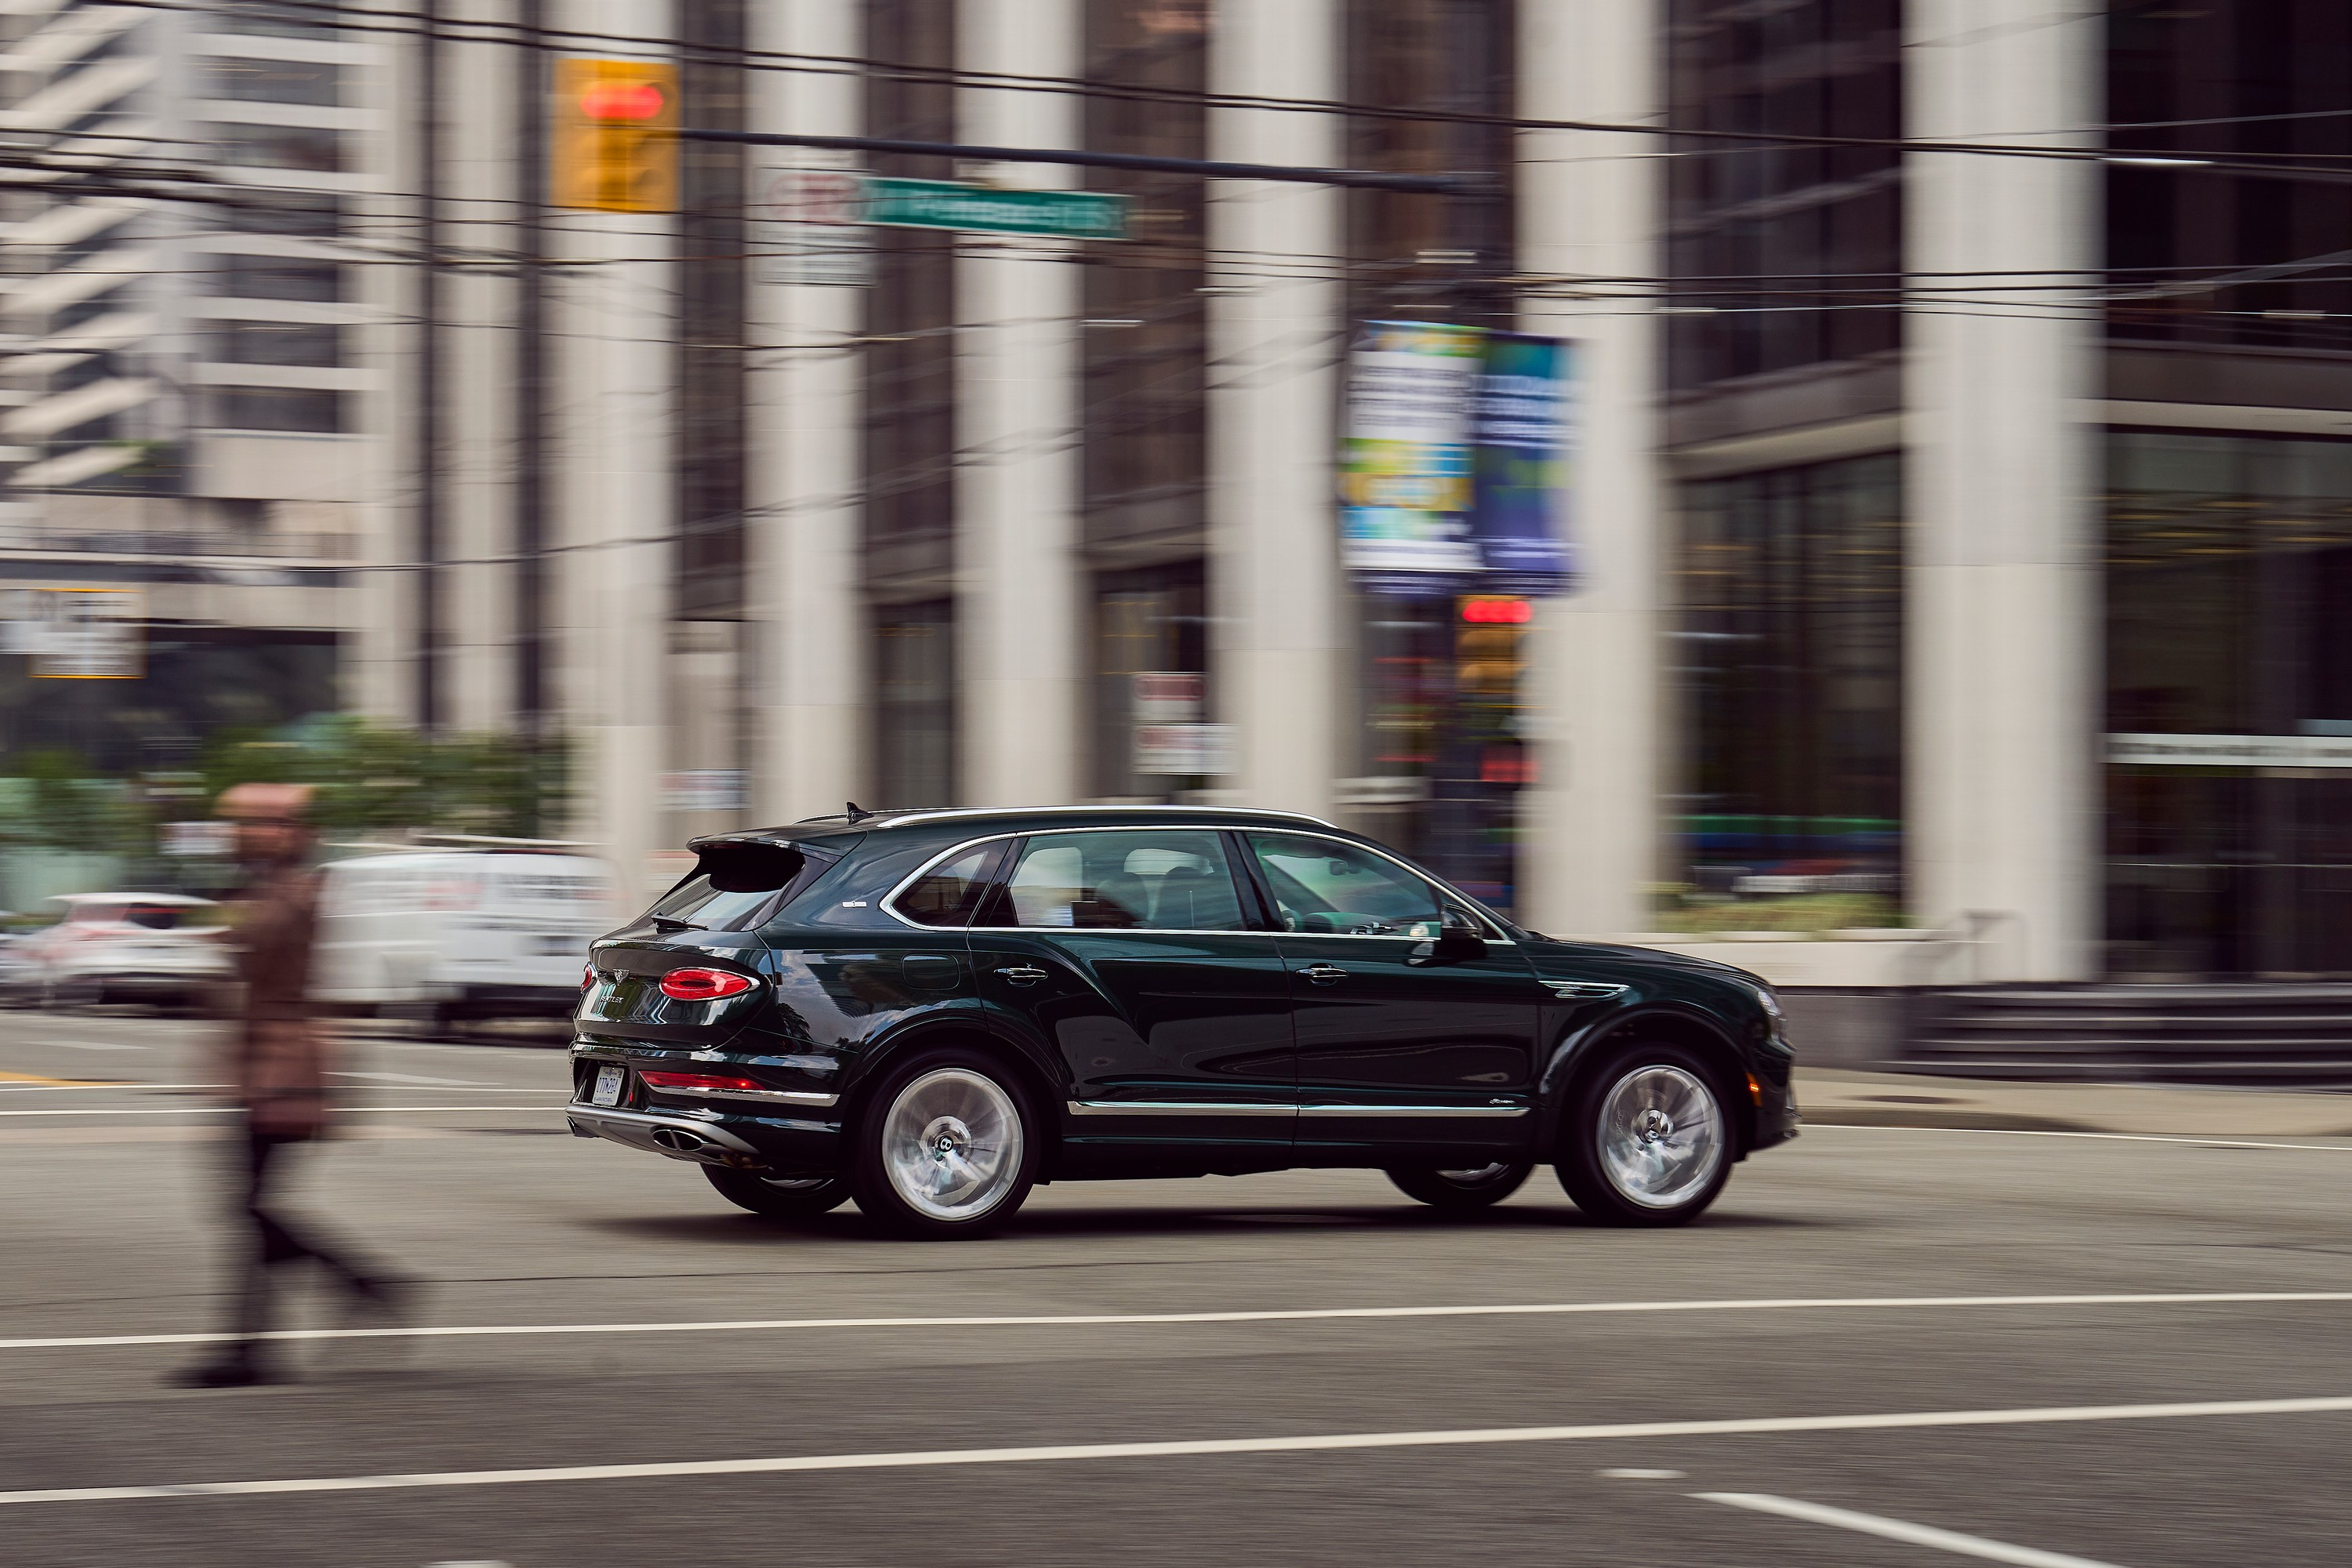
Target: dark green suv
(931,1011)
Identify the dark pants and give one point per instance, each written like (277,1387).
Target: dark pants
(272,1241)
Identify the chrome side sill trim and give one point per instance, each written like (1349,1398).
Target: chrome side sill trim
(1213,1108)
(1174,1107)
(1427,1110)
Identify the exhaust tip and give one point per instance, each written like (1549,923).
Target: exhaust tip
(682,1142)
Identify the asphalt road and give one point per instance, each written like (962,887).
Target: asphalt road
(1673,1417)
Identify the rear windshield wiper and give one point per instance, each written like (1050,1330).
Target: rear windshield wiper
(671,922)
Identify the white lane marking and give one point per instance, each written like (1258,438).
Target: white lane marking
(935,1458)
(85,1045)
(1271,1315)
(86,1088)
(2109,1137)
(220,1110)
(421,1087)
(1641,1475)
(411,1077)
(1899,1529)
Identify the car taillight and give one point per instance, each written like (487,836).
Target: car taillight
(698,1083)
(587,976)
(703,984)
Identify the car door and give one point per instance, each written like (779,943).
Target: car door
(1127,952)
(1415,1018)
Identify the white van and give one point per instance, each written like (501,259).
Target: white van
(440,934)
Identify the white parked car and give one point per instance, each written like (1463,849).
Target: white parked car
(124,947)
(442,934)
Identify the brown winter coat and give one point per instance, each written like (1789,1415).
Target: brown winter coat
(278,1055)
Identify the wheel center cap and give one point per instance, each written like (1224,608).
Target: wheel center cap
(947,1137)
(1652,1126)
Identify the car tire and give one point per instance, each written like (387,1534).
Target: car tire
(1462,1191)
(944,1146)
(778,1197)
(1648,1139)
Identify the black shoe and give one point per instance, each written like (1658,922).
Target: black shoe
(237,1368)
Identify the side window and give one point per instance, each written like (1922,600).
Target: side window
(1144,878)
(947,895)
(1324,885)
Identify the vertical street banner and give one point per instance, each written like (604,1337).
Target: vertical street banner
(1453,467)
(1404,462)
(1522,432)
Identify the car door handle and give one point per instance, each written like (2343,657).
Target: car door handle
(1324,974)
(1022,973)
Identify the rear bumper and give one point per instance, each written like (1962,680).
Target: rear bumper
(744,1142)
(678,1137)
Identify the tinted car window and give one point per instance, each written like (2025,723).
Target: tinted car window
(947,895)
(1169,879)
(736,887)
(1324,885)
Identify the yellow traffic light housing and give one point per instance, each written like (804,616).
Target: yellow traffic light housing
(615,136)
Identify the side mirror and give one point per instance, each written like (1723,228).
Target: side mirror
(1455,943)
(1452,944)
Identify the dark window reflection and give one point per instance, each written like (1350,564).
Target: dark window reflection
(2228,588)
(915,712)
(1783,253)
(1789,658)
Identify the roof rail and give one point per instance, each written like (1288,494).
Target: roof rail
(927,815)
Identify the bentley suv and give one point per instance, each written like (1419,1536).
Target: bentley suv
(930,1011)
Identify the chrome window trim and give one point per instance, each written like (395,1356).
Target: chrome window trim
(1176,1108)
(888,903)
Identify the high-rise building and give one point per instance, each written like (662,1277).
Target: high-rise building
(188,294)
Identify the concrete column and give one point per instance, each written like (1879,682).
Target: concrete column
(1017,578)
(612,413)
(1588,207)
(2001,710)
(1277,336)
(809,637)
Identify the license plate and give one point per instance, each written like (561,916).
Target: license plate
(608,1085)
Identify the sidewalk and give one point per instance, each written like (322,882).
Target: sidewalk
(1839,1097)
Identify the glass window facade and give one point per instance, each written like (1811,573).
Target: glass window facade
(2254,79)
(1152,660)
(1788,661)
(1145,333)
(2229,572)
(1440,758)
(1783,255)
(915,704)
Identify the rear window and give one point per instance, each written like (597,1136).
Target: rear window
(737,887)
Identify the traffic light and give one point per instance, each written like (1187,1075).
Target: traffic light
(615,136)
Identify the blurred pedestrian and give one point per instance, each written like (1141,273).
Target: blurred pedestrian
(277,1067)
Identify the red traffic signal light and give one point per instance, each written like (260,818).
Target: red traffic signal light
(626,101)
(1497,612)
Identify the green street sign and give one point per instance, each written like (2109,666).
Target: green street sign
(988,209)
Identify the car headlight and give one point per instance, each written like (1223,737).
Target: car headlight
(1770,1004)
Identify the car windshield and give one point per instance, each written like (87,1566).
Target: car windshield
(736,887)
